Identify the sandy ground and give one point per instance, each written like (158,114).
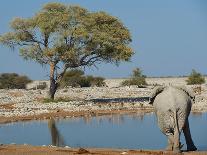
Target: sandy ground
(40,150)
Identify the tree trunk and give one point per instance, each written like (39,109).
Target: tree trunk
(53,84)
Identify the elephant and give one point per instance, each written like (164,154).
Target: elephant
(172,106)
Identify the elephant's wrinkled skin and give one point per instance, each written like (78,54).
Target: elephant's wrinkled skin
(172,108)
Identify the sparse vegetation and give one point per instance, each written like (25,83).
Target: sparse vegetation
(195,78)
(76,78)
(136,79)
(13,81)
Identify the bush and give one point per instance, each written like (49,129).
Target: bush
(13,81)
(84,82)
(72,78)
(76,78)
(136,79)
(195,78)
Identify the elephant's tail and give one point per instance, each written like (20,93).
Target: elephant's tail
(176,127)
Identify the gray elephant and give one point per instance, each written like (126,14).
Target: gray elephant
(172,107)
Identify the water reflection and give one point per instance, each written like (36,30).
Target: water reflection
(131,131)
(196,113)
(114,118)
(56,137)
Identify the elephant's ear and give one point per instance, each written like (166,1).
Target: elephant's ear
(188,91)
(157,90)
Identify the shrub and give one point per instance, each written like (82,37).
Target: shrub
(13,81)
(84,81)
(76,78)
(71,78)
(195,78)
(136,79)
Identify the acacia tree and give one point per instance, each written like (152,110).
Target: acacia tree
(65,36)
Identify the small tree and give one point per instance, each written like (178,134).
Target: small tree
(69,35)
(136,79)
(13,81)
(195,78)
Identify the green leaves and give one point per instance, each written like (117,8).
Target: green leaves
(20,24)
(70,34)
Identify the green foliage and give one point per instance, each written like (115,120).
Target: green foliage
(136,79)
(72,78)
(13,81)
(195,78)
(69,34)
(76,78)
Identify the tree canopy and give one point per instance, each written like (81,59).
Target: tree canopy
(71,36)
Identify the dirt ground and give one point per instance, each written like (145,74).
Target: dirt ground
(41,150)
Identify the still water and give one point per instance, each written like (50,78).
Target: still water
(132,131)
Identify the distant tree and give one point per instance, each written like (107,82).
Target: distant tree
(136,79)
(13,81)
(64,36)
(195,78)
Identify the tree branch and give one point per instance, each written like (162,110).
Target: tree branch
(91,60)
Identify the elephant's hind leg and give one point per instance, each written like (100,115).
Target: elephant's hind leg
(176,146)
(170,142)
(187,134)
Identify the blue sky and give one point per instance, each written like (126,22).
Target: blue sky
(169,36)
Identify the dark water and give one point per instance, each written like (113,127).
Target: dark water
(133,131)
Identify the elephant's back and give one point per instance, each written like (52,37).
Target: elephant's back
(171,98)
